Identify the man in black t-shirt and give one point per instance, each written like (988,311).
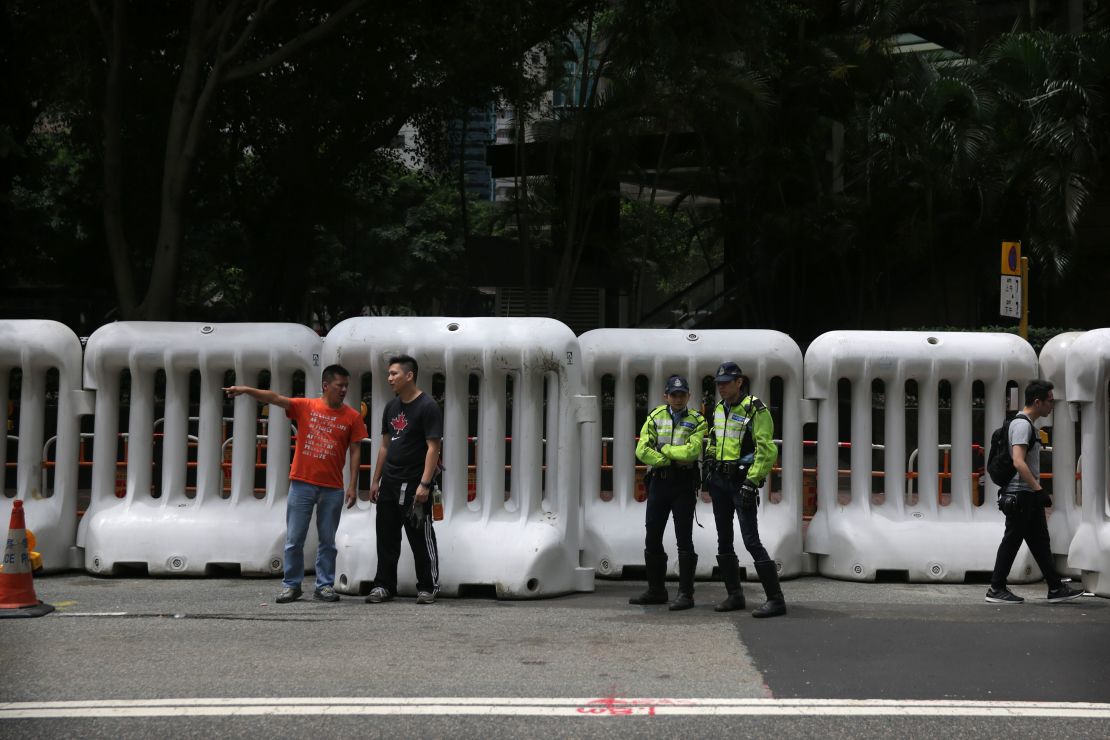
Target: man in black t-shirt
(412,433)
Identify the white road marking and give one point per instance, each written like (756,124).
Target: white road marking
(543,707)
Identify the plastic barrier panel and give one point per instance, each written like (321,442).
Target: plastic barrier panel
(614,525)
(162,524)
(1066,512)
(941,527)
(1088,373)
(520,534)
(34,348)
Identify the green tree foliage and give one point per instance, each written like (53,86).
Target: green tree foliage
(225,126)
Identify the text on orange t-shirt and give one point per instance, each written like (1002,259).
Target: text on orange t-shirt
(323,436)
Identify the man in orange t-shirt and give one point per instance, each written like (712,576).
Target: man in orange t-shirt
(327,430)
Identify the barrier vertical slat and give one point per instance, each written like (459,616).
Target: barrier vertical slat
(828,464)
(928,441)
(491,436)
(175,434)
(960,482)
(244,436)
(455,444)
(555,402)
(894,442)
(105,438)
(32,412)
(527,445)
(861,448)
(5,389)
(624,432)
(592,442)
(995,409)
(278,431)
(210,433)
(140,434)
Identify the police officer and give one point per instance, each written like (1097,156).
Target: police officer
(741,452)
(671,443)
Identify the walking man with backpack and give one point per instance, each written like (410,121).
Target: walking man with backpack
(1023,501)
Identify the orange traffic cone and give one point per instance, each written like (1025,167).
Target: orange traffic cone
(17,587)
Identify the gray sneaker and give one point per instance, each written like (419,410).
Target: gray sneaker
(378,594)
(325,593)
(425,597)
(289,593)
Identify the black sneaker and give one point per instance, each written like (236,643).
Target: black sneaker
(1003,596)
(288,594)
(1063,593)
(325,593)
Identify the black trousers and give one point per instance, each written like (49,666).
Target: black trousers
(726,505)
(671,492)
(1027,524)
(395,503)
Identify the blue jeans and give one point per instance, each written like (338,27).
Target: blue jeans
(298,513)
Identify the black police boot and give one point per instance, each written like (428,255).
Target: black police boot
(656,577)
(730,574)
(775,605)
(687,565)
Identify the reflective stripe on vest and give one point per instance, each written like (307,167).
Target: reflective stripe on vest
(664,431)
(729,429)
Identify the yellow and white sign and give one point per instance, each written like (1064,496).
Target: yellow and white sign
(1011,258)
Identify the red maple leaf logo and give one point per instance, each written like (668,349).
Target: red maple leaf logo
(399,422)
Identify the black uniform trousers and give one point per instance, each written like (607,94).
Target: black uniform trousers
(1028,523)
(671,490)
(395,504)
(725,492)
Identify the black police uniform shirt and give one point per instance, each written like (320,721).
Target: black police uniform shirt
(410,426)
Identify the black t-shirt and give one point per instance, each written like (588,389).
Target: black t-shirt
(410,426)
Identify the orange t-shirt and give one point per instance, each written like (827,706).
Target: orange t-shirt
(323,436)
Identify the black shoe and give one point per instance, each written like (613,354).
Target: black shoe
(682,602)
(732,602)
(770,608)
(288,594)
(729,567)
(325,593)
(649,597)
(1004,596)
(775,605)
(1062,593)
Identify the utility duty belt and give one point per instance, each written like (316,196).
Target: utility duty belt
(673,472)
(727,467)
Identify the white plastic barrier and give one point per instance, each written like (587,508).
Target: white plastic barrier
(614,529)
(1064,518)
(927,541)
(524,545)
(176,533)
(1088,373)
(34,348)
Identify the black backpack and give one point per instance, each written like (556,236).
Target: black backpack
(1000,464)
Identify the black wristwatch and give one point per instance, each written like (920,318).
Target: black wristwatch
(426,483)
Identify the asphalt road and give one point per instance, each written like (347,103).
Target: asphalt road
(898,660)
